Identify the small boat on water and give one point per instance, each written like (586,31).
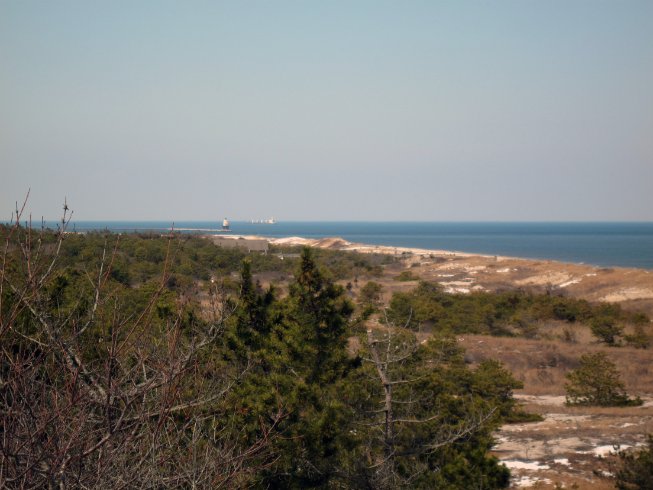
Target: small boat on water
(225,225)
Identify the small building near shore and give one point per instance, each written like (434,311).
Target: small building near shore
(248,244)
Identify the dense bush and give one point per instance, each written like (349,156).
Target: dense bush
(506,313)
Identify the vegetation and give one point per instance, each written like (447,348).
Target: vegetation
(508,313)
(424,418)
(344,265)
(141,361)
(369,297)
(138,258)
(406,276)
(597,382)
(636,468)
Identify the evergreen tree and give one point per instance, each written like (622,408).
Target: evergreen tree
(249,325)
(597,382)
(312,338)
(320,312)
(298,348)
(426,419)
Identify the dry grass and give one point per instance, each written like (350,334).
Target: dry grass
(568,433)
(542,364)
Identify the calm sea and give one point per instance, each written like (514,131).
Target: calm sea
(602,244)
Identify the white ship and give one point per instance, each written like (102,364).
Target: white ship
(270,221)
(225,225)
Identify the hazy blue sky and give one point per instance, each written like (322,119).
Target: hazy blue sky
(397,110)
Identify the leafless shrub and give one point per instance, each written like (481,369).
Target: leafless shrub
(93,397)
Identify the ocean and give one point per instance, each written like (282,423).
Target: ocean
(624,244)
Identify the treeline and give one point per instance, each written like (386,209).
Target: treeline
(138,258)
(511,313)
(113,376)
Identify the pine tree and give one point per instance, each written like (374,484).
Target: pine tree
(249,325)
(320,312)
(597,382)
(296,349)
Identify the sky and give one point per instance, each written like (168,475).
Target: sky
(328,110)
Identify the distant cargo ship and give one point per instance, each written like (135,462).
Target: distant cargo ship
(270,221)
(225,225)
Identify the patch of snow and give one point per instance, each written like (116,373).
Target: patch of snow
(569,283)
(602,451)
(529,481)
(462,286)
(463,282)
(562,461)
(516,464)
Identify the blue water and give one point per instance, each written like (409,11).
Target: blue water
(602,244)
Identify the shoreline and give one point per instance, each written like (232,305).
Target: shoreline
(603,245)
(464,272)
(338,243)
